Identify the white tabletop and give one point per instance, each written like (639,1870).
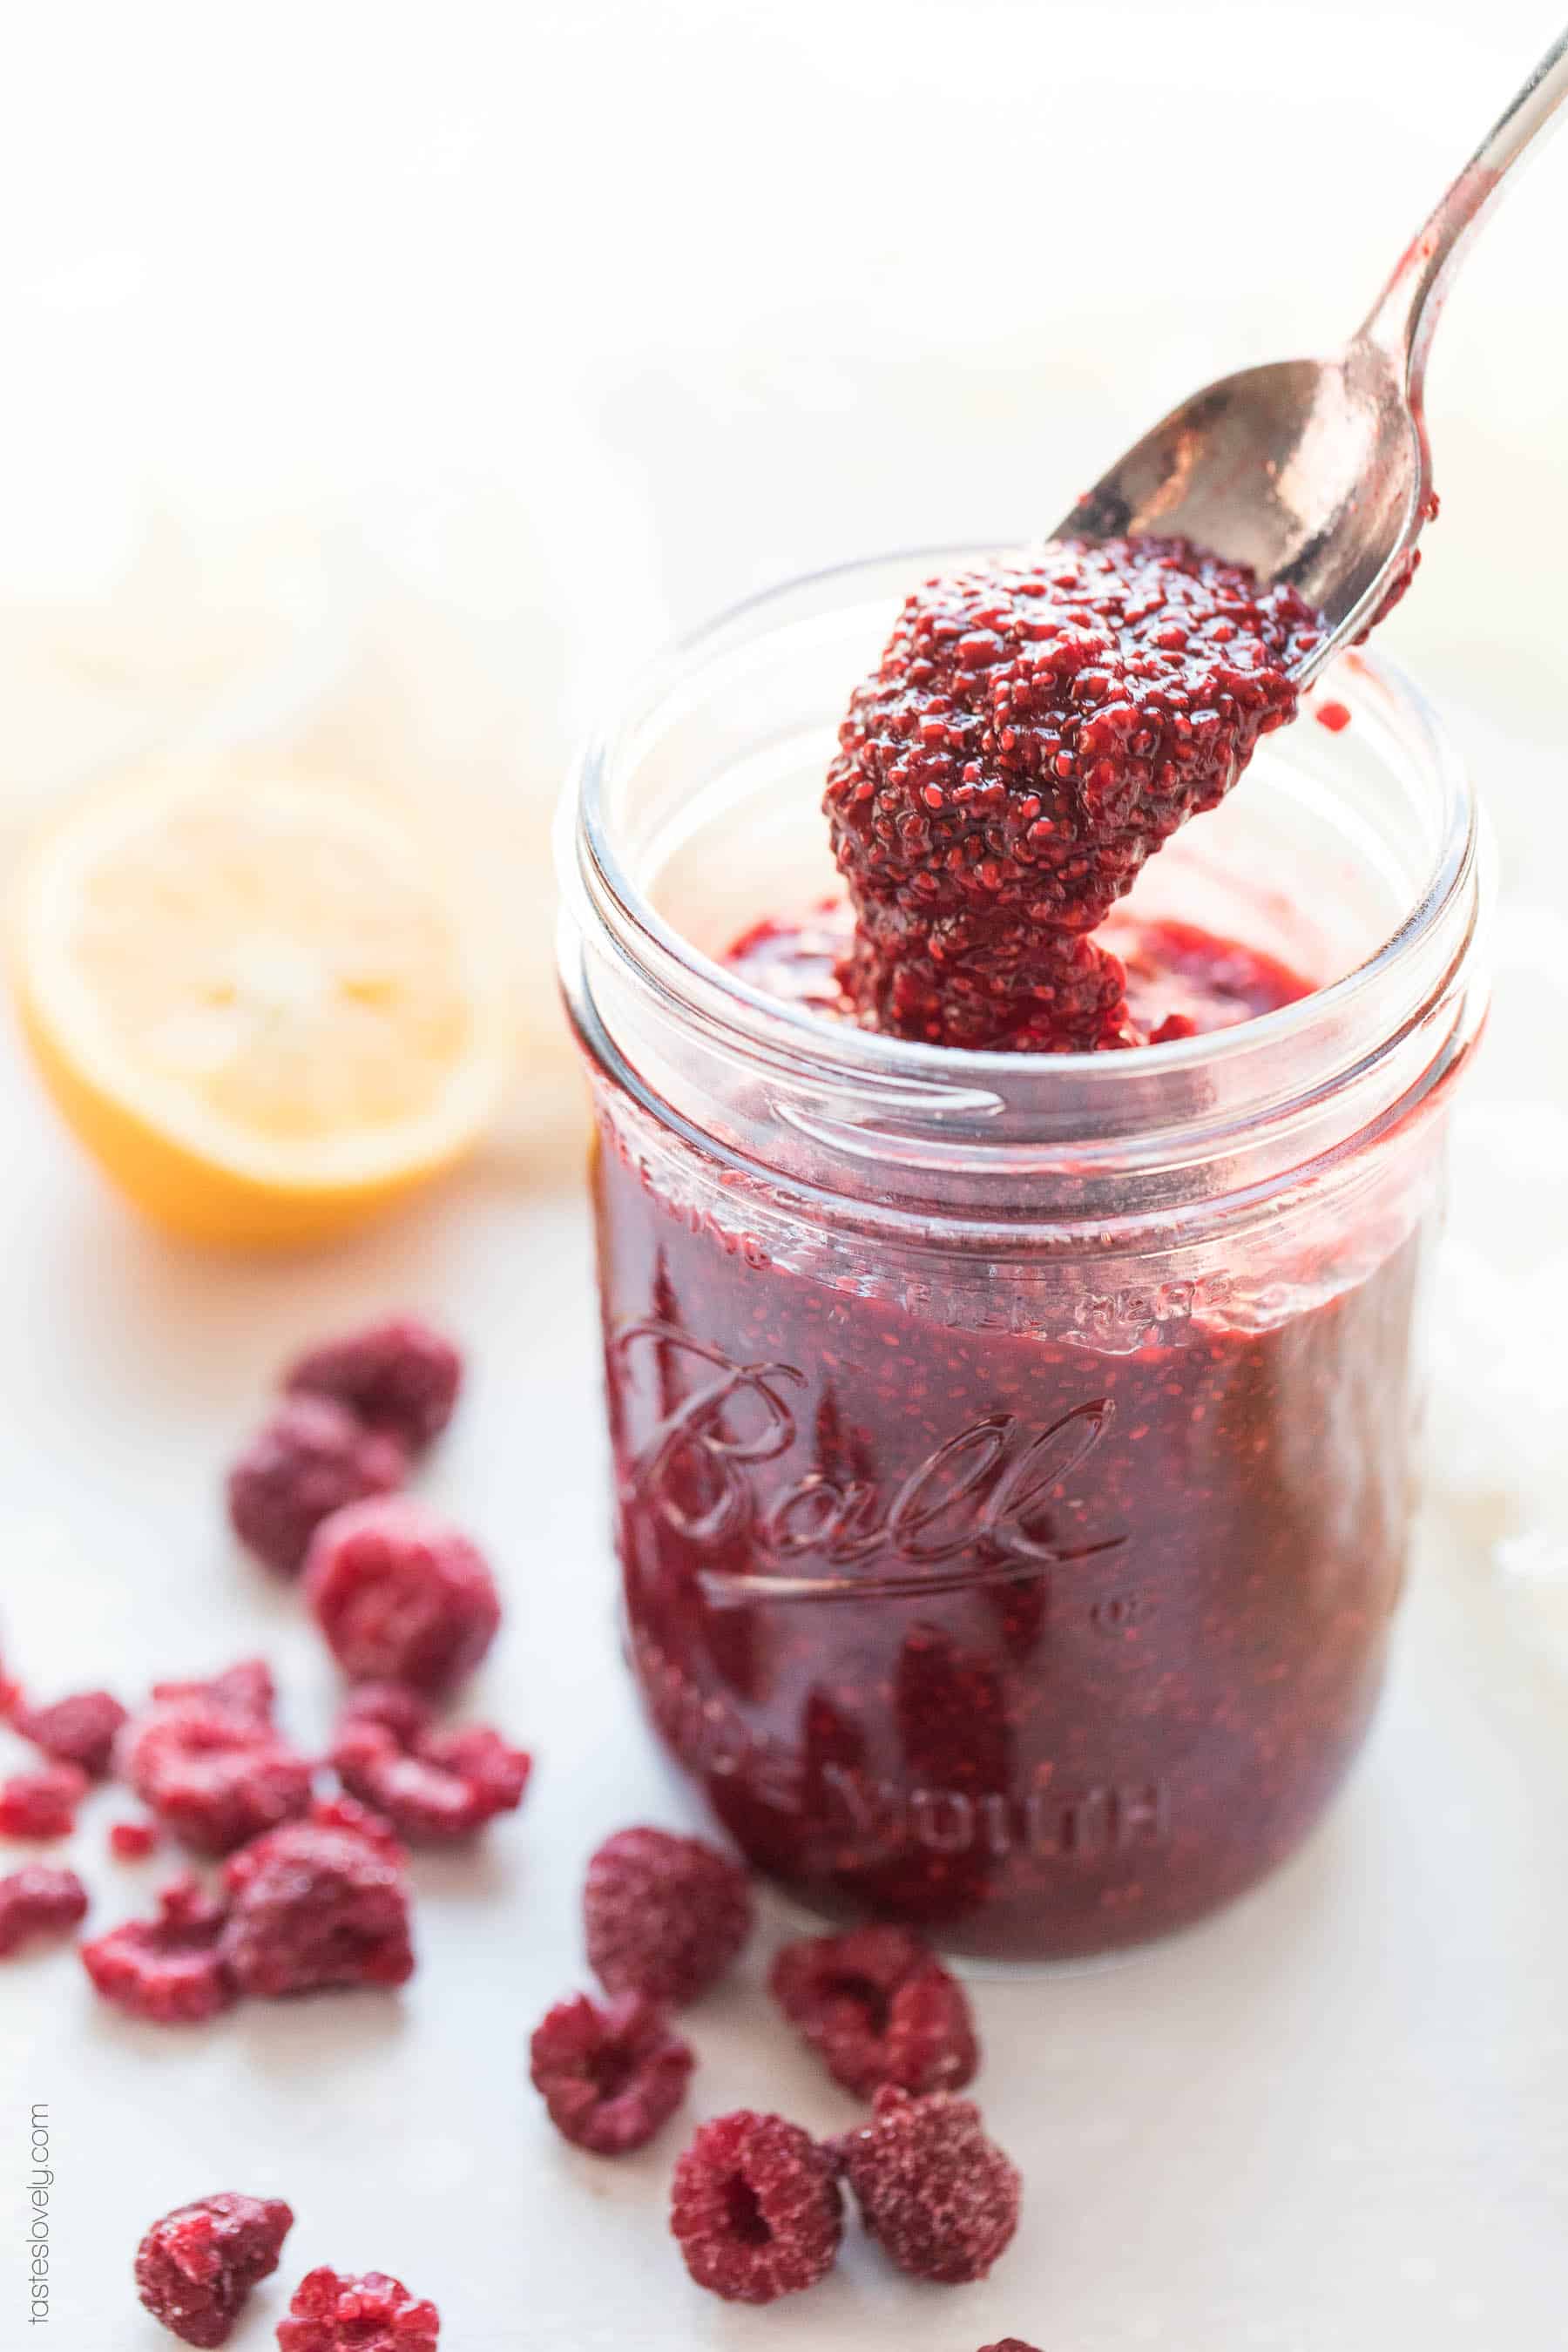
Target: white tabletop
(1333,2118)
(389,358)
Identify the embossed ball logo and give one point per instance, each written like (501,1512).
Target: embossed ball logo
(989,1501)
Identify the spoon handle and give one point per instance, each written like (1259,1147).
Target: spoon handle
(1405,313)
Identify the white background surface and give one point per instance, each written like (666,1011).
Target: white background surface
(1333,2121)
(410,369)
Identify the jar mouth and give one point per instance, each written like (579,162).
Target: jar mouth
(1175,1096)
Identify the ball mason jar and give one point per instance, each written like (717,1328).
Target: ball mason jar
(1013,1454)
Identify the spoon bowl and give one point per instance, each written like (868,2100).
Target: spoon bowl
(1316,472)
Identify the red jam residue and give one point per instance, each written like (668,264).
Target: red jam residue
(1178,980)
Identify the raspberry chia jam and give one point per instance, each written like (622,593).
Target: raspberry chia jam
(1012,1449)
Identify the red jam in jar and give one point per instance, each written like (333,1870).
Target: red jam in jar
(1012,1451)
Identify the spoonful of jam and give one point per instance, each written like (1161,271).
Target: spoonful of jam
(1040,722)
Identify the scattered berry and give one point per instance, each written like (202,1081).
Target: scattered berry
(401,1595)
(374,2313)
(756,2208)
(399,1376)
(132,1841)
(246,1689)
(878,2007)
(611,2074)
(665,1915)
(317,1904)
(214,1777)
(308,1459)
(404,1713)
(41,1805)
(434,1787)
(168,1969)
(939,2198)
(195,2268)
(78,1730)
(38,1901)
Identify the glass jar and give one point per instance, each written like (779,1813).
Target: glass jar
(1012,1453)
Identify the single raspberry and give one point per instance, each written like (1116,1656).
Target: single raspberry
(317,1904)
(664,1916)
(195,2268)
(374,2313)
(213,1777)
(132,1841)
(308,1459)
(611,2073)
(878,2007)
(939,2198)
(1009,2344)
(404,1713)
(246,1689)
(38,1901)
(401,1595)
(168,1969)
(435,1787)
(78,1730)
(346,1813)
(41,1805)
(400,1376)
(756,2207)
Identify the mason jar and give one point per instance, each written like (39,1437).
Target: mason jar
(1013,1454)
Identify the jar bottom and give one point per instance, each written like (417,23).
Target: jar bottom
(1065,1940)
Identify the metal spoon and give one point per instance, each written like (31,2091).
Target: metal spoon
(1317,471)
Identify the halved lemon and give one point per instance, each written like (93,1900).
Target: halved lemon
(268,1006)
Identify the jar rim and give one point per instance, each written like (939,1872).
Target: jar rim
(1075,1092)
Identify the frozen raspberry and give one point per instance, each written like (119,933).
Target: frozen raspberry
(195,2268)
(399,1376)
(309,1459)
(401,1595)
(939,2198)
(38,1901)
(374,2313)
(246,1689)
(396,1708)
(167,1969)
(213,1777)
(665,1915)
(347,1814)
(42,1804)
(610,2073)
(878,2007)
(78,1730)
(132,1841)
(317,1904)
(756,2207)
(435,1787)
